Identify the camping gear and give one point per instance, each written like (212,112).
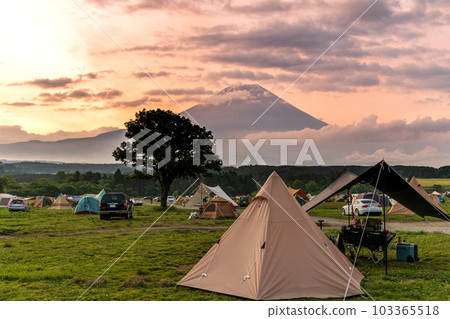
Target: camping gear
(375,240)
(274,250)
(61,203)
(407,252)
(204,191)
(87,205)
(218,207)
(193,216)
(389,182)
(43,201)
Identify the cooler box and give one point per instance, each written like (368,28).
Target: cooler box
(407,252)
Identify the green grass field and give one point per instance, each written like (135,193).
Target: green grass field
(54,255)
(429,182)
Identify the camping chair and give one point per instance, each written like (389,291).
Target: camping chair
(374,241)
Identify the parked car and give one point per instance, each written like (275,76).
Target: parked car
(243,201)
(116,205)
(137,201)
(18,204)
(363,206)
(170,199)
(157,199)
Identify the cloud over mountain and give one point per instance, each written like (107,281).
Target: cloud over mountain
(249,108)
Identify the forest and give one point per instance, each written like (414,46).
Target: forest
(33,178)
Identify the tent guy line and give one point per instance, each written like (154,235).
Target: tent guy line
(137,239)
(134,60)
(316,60)
(363,231)
(205,274)
(309,235)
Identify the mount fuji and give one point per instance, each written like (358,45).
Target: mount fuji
(232,112)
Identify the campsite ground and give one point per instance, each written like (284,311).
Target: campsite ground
(54,255)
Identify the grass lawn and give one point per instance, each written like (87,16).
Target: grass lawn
(429,182)
(53,255)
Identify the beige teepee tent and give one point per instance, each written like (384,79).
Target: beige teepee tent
(61,203)
(399,209)
(274,250)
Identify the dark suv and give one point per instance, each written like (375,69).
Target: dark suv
(116,205)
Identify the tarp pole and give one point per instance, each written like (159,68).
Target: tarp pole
(348,206)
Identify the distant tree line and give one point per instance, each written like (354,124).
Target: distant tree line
(235,181)
(32,167)
(68,183)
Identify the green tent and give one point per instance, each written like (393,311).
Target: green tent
(87,205)
(100,195)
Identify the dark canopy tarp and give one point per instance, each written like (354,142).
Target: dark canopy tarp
(331,190)
(392,184)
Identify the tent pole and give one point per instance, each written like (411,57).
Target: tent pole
(348,206)
(201,191)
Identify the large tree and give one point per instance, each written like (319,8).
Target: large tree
(180,147)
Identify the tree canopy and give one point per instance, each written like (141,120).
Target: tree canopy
(171,160)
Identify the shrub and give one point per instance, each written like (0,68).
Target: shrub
(166,283)
(136,281)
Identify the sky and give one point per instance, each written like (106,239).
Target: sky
(79,68)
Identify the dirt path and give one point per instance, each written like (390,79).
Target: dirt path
(329,223)
(113,230)
(410,225)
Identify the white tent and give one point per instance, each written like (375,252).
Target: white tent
(204,191)
(4,199)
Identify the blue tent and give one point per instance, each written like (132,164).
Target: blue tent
(87,205)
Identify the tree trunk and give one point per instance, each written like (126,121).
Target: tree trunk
(165,187)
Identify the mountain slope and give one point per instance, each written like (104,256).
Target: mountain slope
(96,149)
(234,109)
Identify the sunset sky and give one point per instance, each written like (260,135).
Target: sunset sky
(63,75)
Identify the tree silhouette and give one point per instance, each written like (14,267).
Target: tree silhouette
(182,134)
